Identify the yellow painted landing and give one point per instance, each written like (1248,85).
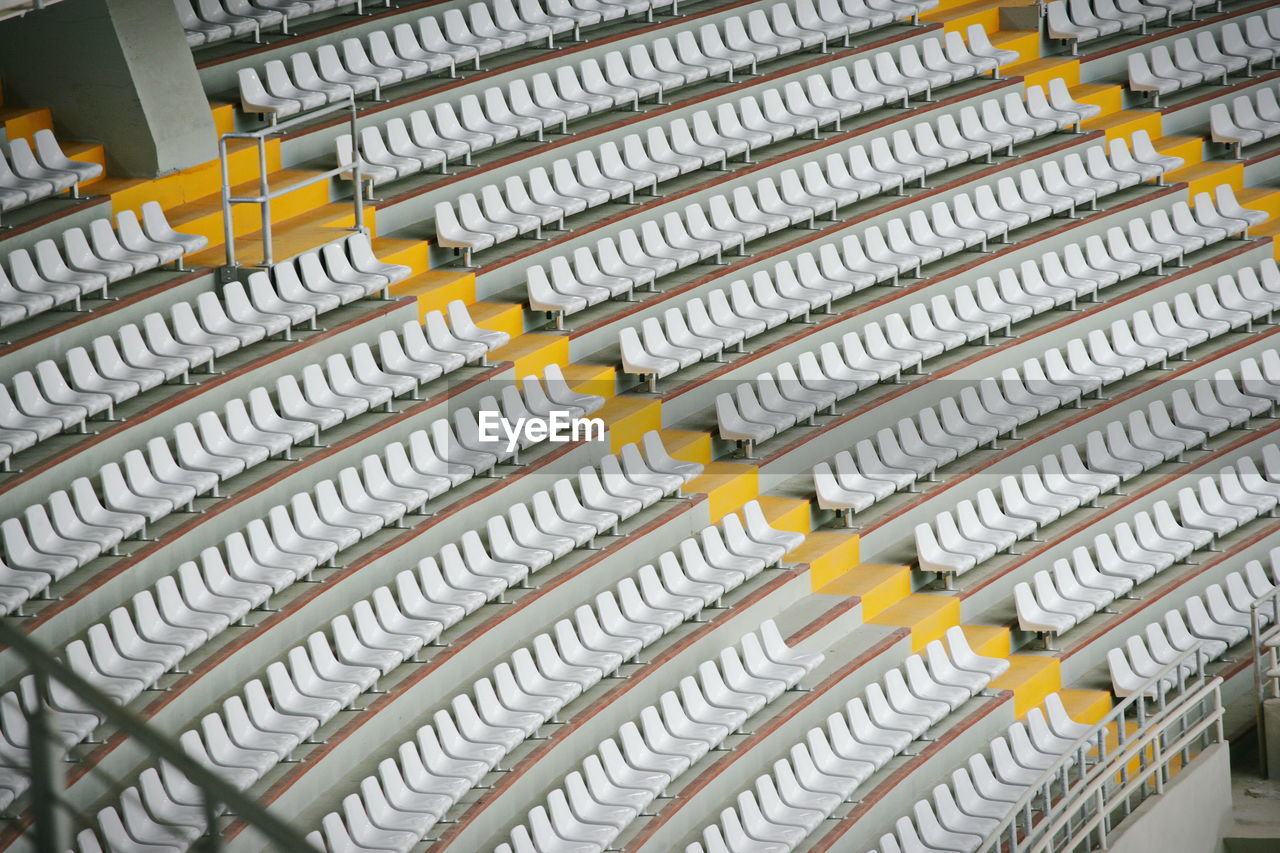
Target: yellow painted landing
(688,445)
(1085,706)
(727,485)
(1108,96)
(289,239)
(1189,148)
(1039,71)
(435,289)
(1269,229)
(787,513)
(1122,123)
(598,379)
(498,317)
(993,641)
(1204,177)
(879,587)
(928,615)
(196,182)
(531,353)
(414,254)
(1031,678)
(959,16)
(830,554)
(629,418)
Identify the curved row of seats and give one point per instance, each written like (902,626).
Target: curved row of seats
(825,769)
(45,545)
(133,649)
(568,191)
(141,356)
(1215,621)
(980,415)
(795,108)
(677,731)
(1204,58)
(365,651)
(1247,120)
(212,21)
(27,176)
(41,283)
(754,413)
(1057,600)
(885,165)
(87,263)
(952,545)
(964,815)
(1079,21)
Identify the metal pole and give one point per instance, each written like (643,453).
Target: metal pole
(264,190)
(46,772)
(1259,686)
(228,233)
(357,193)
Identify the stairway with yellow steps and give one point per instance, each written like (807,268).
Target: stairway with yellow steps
(1085,706)
(927,614)
(1031,677)
(958,15)
(877,586)
(792,514)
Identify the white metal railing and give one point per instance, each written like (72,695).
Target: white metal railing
(1266,661)
(1127,757)
(266,193)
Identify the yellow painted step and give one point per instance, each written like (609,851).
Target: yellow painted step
(410,253)
(928,615)
(1031,678)
(1267,200)
(629,417)
(958,16)
(435,289)
(727,485)
(687,445)
(830,554)
(194,183)
(1106,95)
(23,122)
(993,641)
(1085,706)
(1189,148)
(498,317)
(532,353)
(1120,124)
(878,586)
(224,117)
(1205,177)
(290,238)
(787,513)
(1024,42)
(598,379)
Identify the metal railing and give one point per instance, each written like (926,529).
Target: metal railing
(1266,664)
(266,193)
(53,813)
(1127,757)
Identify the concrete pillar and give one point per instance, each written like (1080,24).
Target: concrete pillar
(1271,727)
(117,72)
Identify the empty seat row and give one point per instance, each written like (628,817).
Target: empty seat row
(1111,456)
(825,769)
(27,175)
(1215,620)
(212,21)
(617,266)
(206,597)
(145,487)
(668,739)
(1078,21)
(965,814)
(1206,58)
(135,360)
(87,263)
(133,649)
(1057,600)
(530,689)
(1247,120)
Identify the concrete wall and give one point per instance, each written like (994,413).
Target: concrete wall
(1190,816)
(121,74)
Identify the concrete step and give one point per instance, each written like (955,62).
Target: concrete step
(1038,71)
(878,586)
(23,122)
(727,485)
(927,614)
(1105,95)
(1205,176)
(1123,123)
(1031,677)
(629,417)
(195,183)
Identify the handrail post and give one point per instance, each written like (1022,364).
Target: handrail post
(228,233)
(264,190)
(356,173)
(46,771)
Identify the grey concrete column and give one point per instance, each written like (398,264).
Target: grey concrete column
(117,72)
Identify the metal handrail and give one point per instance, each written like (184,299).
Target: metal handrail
(266,193)
(1261,682)
(44,770)
(1094,792)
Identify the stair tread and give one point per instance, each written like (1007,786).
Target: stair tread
(289,237)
